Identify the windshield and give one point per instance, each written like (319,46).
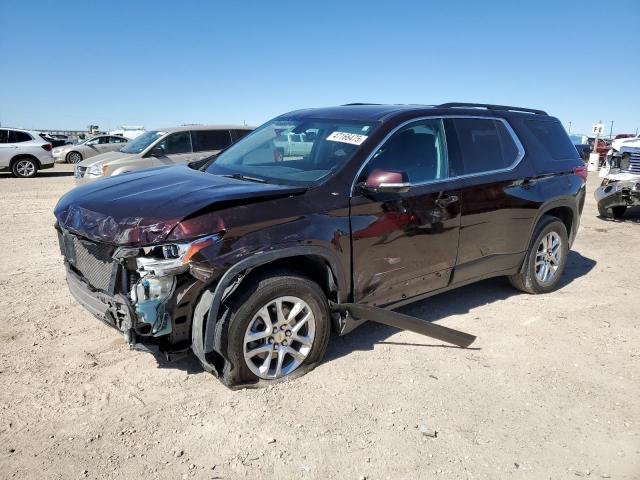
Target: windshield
(298,152)
(141,142)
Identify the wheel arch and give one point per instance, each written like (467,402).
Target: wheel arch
(21,156)
(565,210)
(66,157)
(318,263)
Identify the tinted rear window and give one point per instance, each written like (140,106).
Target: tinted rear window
(238,134)
(553,137)
(205,140)
(485,145)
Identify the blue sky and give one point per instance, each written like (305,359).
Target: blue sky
(156,63)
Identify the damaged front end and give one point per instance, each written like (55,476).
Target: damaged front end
(140,291)
(620,186)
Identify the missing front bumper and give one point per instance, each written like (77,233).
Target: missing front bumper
(114,310)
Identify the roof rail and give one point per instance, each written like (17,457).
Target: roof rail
(489,106)
(358,103)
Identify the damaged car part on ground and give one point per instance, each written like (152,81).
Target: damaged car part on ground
(620,186)
(252,259)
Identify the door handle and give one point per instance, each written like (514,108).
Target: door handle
(446,200)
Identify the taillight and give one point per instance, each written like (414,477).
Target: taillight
(581,171)
(46,146)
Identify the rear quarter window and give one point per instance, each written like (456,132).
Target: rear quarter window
(553,138)
(238,134)
(483,144)
(207,140)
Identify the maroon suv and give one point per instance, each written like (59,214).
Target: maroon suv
(250,259)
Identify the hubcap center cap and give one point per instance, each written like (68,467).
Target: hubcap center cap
(279,337)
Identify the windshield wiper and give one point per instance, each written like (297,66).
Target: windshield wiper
(239,176)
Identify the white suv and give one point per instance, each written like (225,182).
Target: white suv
(23,152)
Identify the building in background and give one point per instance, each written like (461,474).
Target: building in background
(128,131)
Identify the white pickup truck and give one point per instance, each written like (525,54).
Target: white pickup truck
(620,186)
(294,145)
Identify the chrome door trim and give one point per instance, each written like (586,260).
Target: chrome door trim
(512,133)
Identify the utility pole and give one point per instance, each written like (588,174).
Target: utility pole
(569,128)
(611,131)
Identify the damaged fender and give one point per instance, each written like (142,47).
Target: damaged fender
(204,326)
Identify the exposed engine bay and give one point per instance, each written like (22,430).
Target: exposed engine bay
(139,291)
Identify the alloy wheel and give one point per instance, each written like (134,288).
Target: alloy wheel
(75,157)
(548,257)
(25,168)
(279,337)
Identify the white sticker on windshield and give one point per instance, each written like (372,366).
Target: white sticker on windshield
(344,137)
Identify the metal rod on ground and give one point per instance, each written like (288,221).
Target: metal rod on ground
(406,322)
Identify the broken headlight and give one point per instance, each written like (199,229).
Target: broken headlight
(172,258)
(157,267)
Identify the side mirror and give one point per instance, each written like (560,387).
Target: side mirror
(385,181)
(157,151)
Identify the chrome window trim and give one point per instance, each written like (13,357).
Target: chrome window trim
(512,133)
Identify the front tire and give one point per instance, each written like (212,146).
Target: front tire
(24,168)
(612,212)
(74,157)
(277,327)
(546,258)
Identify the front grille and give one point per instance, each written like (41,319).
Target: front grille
(93,260)
(634,163)
(79,171)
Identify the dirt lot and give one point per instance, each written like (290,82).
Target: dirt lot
(550,389)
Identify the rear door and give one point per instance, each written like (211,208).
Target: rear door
(496,215)
(405,244)
(209,142)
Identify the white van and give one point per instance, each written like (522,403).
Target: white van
(165,146)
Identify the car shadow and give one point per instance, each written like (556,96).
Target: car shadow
(632,215)
(454,302)
(41,174)
(434,309)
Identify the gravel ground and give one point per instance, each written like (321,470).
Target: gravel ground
(549,390)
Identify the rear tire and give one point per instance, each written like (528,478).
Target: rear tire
(545,259)
(612,212)
(24,168)
(244,320)
(74,157)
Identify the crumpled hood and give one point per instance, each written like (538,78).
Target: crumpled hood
(626,144)
(142,208)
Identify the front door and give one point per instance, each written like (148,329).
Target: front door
(115,143)
(176,148)
(7,150)
(405,244)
